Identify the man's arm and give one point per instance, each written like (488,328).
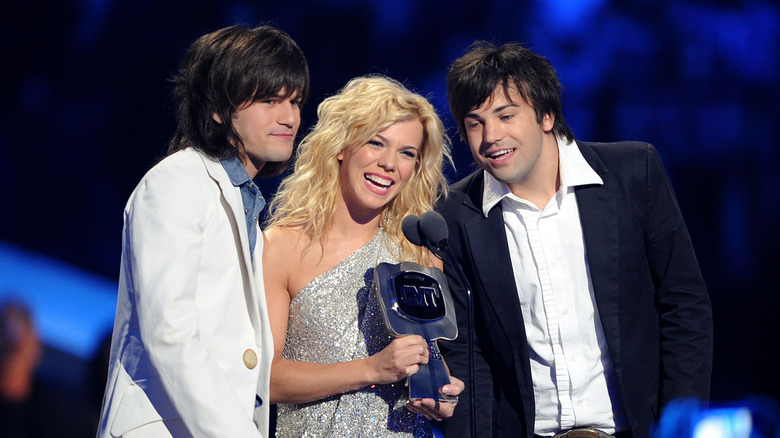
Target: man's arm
(681,295)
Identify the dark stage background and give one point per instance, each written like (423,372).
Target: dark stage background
(86,111)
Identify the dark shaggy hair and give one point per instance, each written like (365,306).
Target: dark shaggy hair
(474,76)
(224,70)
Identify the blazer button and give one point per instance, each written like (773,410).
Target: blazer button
(250,359)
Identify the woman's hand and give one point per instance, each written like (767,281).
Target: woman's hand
(400,359)
(438,410)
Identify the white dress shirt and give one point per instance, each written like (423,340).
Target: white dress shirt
(571,368)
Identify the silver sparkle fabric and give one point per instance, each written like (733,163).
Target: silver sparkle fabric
(337,318)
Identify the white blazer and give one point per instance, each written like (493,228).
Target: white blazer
(192,345)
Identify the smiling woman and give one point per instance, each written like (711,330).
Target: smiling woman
(372,174)
(374,157)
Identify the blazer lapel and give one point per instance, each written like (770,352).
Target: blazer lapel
(493,266)
(235,208)
(235,204)
(598,215)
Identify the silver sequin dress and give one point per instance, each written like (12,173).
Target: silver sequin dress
(337,318)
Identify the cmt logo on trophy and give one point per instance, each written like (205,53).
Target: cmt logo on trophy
(419,297)
(415,300)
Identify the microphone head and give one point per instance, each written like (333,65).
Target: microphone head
(411,229)
(433,229)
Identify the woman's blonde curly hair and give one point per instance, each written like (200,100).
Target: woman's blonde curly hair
(367,105)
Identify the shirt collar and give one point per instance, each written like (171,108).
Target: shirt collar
(235,170)
(574,170)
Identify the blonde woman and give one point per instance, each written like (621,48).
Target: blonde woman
(374,157)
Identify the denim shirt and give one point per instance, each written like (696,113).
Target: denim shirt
(250,195)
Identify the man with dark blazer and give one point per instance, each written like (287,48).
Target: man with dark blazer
(590,312)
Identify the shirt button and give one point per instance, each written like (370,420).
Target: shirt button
(246,210)
(580,402)
(565,311)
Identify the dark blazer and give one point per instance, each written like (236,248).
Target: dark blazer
(650,294)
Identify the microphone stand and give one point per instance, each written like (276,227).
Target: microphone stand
(470,338)
(430,230)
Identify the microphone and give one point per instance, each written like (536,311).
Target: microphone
(434,231)
(431,229)
(411,229)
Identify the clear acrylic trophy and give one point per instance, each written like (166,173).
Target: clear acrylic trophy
(415,300)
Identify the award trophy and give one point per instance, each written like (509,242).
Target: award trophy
(415,300)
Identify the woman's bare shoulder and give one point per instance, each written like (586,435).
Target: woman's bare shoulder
(280,234)
(283,243)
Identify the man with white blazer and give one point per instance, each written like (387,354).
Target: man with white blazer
(192,348)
